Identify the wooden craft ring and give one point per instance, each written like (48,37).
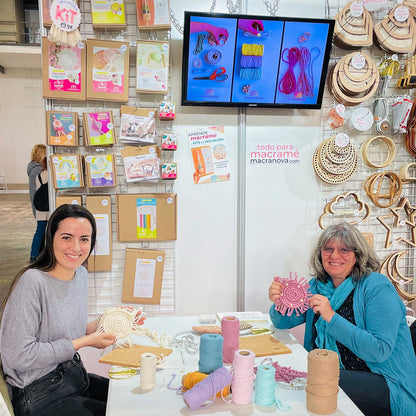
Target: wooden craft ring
(404,172)
(374,183)
(391,151)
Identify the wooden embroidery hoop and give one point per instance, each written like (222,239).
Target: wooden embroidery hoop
(352,32)
(373,187)
(391,147)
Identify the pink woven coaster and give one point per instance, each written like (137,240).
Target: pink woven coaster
(295,295)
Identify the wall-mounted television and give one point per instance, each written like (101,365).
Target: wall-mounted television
(236,60)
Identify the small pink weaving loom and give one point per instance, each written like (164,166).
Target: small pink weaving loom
(295,295)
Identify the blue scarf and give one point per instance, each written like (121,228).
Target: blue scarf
(336,298)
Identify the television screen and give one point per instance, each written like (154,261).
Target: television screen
(254,61)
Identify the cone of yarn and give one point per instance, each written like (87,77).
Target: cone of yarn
(190,379)
(148,371)
(243,377)
(207,388)
(322,382)
(210,353)
(265,386)
(230,331)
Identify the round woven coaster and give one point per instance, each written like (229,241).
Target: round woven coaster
(333,167)
(326,176)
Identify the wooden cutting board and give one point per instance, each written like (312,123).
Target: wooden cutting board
(263,345)
(130,357)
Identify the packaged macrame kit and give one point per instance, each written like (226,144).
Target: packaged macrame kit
(64,71)
(146,217)
(169,141)
(109,15)
(107,70)
(152,67)
(62,128)
(66,171)
(141,163)
(137,125)
(100,170)
(99,128)
(143,274)
(101,258)
(153,14)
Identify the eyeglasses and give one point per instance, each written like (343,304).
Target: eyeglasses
(327,251)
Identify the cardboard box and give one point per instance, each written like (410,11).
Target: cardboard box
(101,258)
(146,217)
(63,71)
(152,66)
(66,171)
(108,15)
(98,128)
(67,199)
(141,163)
(151,18)
(100,170)
(62,128)
(107,70)
(143,274)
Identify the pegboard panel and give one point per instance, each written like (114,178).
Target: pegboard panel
(105,288)
(377,152)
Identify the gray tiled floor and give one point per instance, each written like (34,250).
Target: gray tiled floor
(17,226)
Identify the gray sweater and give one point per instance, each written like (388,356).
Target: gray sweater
(42,316)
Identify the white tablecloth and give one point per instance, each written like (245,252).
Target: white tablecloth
(126,398)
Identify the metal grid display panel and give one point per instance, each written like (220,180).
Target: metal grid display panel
(105,288)
(378,153)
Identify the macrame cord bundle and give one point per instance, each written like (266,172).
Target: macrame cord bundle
(295,295)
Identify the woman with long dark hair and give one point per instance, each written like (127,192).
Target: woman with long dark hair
(44,324)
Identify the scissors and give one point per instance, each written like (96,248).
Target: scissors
(218,75)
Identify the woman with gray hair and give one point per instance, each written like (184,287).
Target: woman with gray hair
(356,312)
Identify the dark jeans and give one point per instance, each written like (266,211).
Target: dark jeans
(368,391)
(66,391)
(37,242)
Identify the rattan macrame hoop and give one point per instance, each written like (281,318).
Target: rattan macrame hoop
(394,36)
(352,32)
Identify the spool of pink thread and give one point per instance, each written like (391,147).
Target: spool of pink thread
(230,330)
(243,377)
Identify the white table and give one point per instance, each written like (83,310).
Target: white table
(127,399)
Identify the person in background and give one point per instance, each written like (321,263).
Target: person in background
(44,324)
(41,216)
(356,312)
(33,169)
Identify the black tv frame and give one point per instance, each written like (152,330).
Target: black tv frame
(295,105)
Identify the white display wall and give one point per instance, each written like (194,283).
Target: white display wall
(233,236)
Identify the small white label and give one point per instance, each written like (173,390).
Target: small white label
(169,200)
(342,140)
(159,259)
(152,150)
(81,45)
(88,159)
(71,127)
(165,46)
(402,223)
(340,109)
(55,160)
(110,126)
(401,14)
(65,15)
(356,9)
(358,61)
(69,136)
(356,212)
(123,48)
(74,202)
(108,135)
(151,113)
(104,202)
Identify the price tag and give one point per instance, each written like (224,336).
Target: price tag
(65,15)
(401,14)
(342,139)
(356,9)
(358,61)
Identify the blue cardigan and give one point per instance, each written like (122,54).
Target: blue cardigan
(381,337)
